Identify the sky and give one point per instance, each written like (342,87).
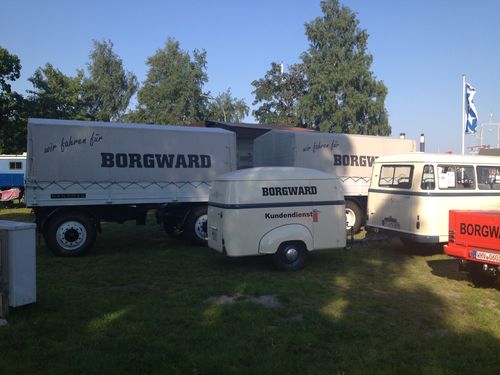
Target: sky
(420,49)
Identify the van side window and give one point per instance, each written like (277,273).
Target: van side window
(428,178)
(15,165)
(488,177)
(396,176)
(456,177)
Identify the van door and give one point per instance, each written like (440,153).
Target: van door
(393,197)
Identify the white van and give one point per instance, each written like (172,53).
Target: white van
(410,194)
(283,211)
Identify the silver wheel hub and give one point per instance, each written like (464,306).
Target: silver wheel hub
(71,235)
(291,254)
(200,227)
(350,218)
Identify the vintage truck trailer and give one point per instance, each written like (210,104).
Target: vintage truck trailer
(285,212)
(80,173)
(348,156)
(474,238)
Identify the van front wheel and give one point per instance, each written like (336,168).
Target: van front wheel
(290,256)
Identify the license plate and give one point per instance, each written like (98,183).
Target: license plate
(487,256)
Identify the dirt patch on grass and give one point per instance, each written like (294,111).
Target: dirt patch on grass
(449,293)
(489,304)
(270,300)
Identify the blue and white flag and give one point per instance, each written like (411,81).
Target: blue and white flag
(470,110)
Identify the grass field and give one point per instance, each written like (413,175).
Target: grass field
(143,303)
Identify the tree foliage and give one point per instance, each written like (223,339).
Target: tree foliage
(103,95)
(171,94)
(58,96)
(108,88)
(278,94)
(12,124)
(225,107)
(342,96)
(338,92)
(10,69)
(173,90)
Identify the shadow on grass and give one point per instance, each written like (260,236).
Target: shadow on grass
(447,268)
(421,249)
(141,303)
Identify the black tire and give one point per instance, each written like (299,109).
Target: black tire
(354,216)
(481,278)
(195,227)
(70,234)
(290,256)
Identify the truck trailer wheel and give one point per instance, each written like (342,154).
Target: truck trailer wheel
(290,256)
(70,234)
(195,227)
(354,216)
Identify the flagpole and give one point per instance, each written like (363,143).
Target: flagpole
(463,114)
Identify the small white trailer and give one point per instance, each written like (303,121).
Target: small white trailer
(283,211)
(80,173)
(348,156)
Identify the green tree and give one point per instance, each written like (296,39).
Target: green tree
(173,90)
(108,88)
(12,125)
(224,107)
(57,96)
(342,94)
(278,94)
(10,69)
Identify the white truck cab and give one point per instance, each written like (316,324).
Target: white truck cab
(283,211)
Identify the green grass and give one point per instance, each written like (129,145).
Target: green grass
(140,303)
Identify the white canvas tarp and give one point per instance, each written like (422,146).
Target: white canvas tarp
(349,157)
(92,155)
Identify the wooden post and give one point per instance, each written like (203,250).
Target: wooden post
(4,276)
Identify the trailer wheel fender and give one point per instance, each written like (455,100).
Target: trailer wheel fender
(271,241)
